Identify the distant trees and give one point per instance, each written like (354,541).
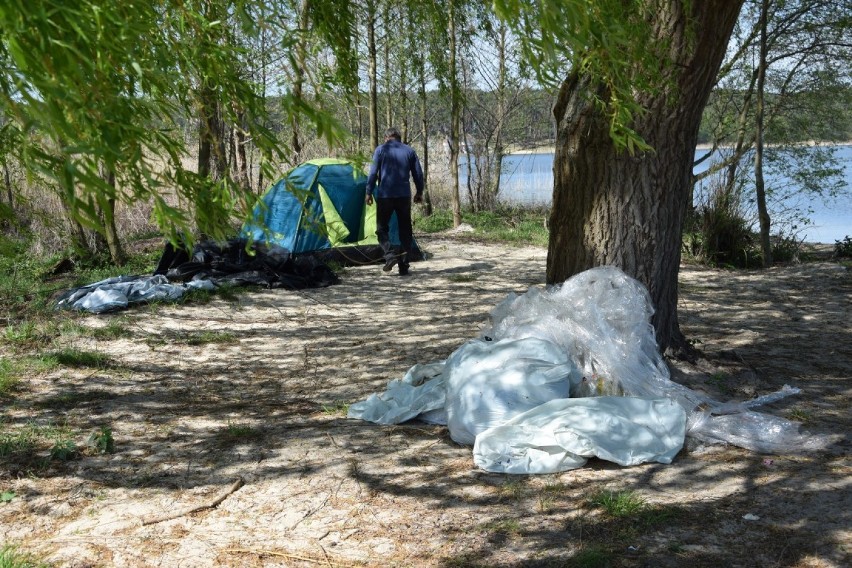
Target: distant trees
(786,81)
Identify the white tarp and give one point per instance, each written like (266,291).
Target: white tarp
(588,337)
(489,382)
(561,434)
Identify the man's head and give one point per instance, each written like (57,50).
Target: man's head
(393,133)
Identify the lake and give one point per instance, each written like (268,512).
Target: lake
(528,180)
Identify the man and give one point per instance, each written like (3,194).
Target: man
(393,161)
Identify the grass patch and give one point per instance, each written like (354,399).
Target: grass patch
(513,489)
(30,444)
(503,526)
(23,441)
(194,338)
(592,557)
(512,225)
(618,504)
(800,415)
(79,358)
(12,557)
(462,277)
(9,377)
(720,381)
(241,431)
(14,370)
(336,409)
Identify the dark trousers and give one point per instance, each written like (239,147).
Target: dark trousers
(385,207)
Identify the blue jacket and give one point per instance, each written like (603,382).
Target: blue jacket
(392,162)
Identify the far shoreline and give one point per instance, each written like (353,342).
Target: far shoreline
(549,149)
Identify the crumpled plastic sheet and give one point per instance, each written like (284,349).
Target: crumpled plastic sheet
(489,382)
(120,291)
(602,317)
(562,434)
(420,393)
(599,322)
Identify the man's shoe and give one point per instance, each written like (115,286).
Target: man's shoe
(390,263)
(403,271)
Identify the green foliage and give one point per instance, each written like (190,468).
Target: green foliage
(338,408)
(439,220)
(63,450)
(97,85)
(102,441)
(583,36)
(12,370)
(22,441)
(843,249)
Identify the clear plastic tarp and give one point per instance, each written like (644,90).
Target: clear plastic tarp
(588,337)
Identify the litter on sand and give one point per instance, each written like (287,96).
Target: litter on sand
(568,373)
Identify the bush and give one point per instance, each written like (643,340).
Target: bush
(843,249)
(717,232)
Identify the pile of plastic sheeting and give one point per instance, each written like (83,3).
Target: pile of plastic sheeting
(208,266)
(568,373)
(121,291)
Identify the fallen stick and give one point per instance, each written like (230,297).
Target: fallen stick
(153,520)
(280,554)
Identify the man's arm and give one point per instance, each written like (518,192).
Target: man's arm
(374,175)
(417,174)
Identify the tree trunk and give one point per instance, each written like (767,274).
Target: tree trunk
(502,110)
(299,79)
(424,125)
(371,72)
(610,208)
(116,251)
(759,186)
(454,118)
(7,181)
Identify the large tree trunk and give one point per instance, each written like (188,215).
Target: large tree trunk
(610,208)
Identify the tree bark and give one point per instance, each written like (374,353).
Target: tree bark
(7,181)
(455,95)
(424,126)
(299,73)
(116,251)
(610,208)
(371,72)
(759,185)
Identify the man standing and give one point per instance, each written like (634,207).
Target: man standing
(393,161)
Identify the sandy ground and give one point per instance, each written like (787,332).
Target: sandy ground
(251,430)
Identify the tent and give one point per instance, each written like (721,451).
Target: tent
(318,208)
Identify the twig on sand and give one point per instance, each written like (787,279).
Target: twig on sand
(326,560)
(215,503)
